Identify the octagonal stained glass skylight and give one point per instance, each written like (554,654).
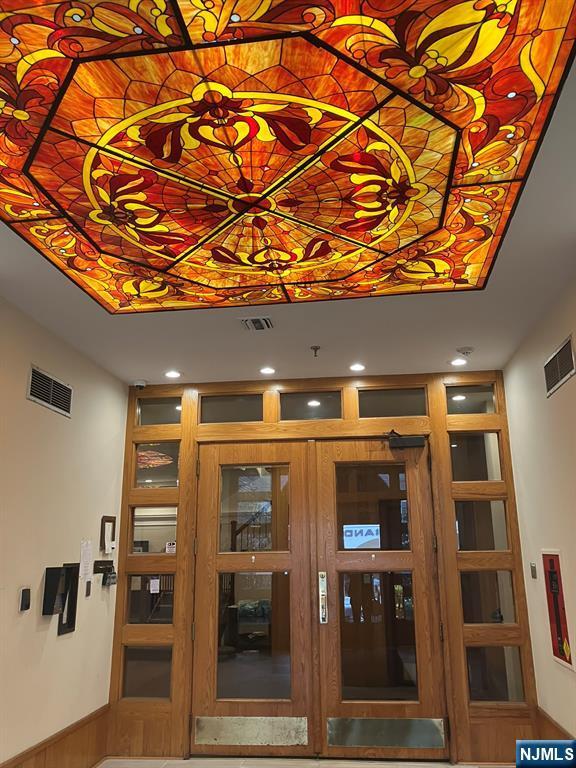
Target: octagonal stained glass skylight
(206,153)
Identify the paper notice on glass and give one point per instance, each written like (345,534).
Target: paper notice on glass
(154,586)
(86,561)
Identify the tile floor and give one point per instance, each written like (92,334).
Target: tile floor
(233,762)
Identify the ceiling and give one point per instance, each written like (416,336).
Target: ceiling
(406,333)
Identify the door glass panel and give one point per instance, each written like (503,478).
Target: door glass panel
(310,405)
(150,599)
(153,529)
(392,402)
(254,508)
(372,506)
(159,410)
(487,597)
(157,465)
(495,673)
(471,399)
(254,636)
(147,672)
(475,456)
(221,409)
(481,525)
(377,637)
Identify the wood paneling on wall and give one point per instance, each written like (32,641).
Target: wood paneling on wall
(82,745)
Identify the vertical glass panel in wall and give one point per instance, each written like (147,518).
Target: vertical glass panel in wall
(475,456)
(392,402)
(147,673)
(310,405)
(150,598)
(254,505)
(159,410)
(481,525)
(378,641)
(157,465)
(254,636)
(471,399)
(154,529)
(495,673)
(487,597)
(221,409)
(372,506)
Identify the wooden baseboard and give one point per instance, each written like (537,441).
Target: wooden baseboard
(548,728)
(80,745)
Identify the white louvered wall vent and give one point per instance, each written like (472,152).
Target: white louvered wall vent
(559,367)
(50,392)
(257,323)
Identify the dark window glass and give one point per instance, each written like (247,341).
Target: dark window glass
(471,399)
(147,672)
(481,525)
(475,456)
(378,641)
(495,673)
(372,506)
(154,529)
(310,405)
(159,410)
(254,636)
(254,507)
(487,597)
(150,599)
(220,409)
(392,402)
(157,465)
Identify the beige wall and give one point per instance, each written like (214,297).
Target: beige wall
(58,476)
(543,435)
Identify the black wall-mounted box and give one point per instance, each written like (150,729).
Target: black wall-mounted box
(54,586)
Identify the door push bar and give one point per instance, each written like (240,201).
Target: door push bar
(323,596)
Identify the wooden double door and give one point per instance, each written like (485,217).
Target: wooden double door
(316,621)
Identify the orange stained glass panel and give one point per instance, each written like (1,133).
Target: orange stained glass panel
(190,154)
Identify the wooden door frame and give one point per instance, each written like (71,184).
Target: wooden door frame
(432,699)
(210,561)
(484,732)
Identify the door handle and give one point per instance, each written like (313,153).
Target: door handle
(323,596)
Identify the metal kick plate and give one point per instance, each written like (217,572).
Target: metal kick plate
(252,731)
(411,732)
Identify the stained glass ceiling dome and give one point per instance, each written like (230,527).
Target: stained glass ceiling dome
(207,153)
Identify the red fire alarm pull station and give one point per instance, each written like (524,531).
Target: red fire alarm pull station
(556,608)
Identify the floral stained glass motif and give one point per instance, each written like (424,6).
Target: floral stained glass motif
(205,153)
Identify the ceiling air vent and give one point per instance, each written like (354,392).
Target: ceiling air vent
(257,323)
(560,367)
(48,391)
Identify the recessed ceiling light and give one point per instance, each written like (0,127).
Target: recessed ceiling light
(267,370)
(458,361)
(458,398)
(314,403)
(357,367)
(172,374)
